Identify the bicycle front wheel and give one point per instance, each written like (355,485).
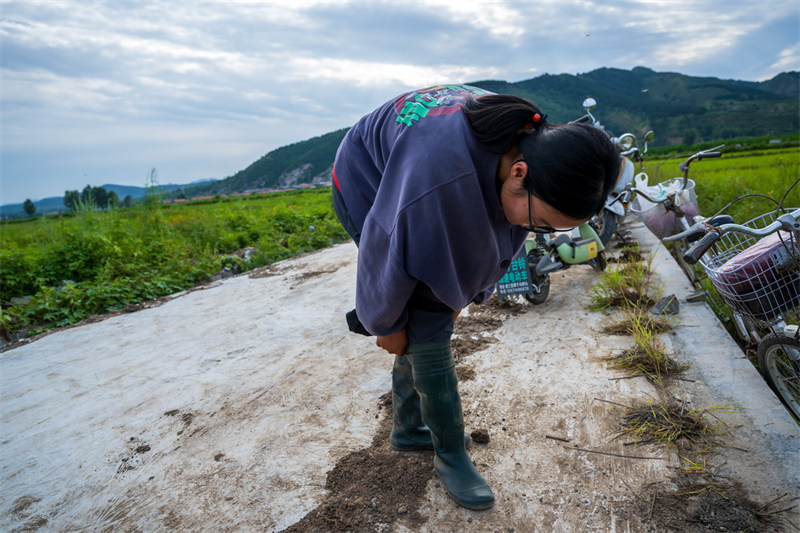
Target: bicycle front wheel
(779,359)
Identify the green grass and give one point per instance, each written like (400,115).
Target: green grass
(71,267)
(648,356)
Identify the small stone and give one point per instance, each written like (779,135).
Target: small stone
(480,436)
(402,510)
(694,509)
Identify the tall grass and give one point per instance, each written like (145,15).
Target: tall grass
(69,268)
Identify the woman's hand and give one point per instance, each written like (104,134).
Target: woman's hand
(395,343)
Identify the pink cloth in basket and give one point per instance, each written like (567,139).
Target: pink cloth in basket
(761,264)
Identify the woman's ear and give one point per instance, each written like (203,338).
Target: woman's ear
(518,171)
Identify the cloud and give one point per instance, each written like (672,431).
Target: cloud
(500,20)
(203,89)
(788,59)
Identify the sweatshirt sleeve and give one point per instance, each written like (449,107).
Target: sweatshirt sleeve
(383,286)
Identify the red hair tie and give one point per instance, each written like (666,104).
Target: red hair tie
(537,120)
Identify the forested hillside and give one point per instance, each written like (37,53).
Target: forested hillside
(675,106)
(678,108)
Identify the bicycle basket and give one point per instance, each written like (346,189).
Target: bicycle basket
(661,222)
(759,278)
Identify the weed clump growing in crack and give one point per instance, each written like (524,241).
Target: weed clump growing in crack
(700,500)
(637,317)
(647,357)
(674,425)
(626,285)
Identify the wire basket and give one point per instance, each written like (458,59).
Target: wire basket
(661,222)
(757,277)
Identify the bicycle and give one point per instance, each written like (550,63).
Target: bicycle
(671,207)
(755,268)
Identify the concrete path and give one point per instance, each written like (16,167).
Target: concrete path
(225,408)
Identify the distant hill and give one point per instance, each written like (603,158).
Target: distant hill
(308,161)
(139,192)
(55,204)
(677,107)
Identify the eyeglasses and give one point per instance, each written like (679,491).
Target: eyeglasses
(539,229)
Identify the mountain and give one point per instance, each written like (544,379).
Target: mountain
(139,192)
(673,105)
(52,204)
(308,161)
(679,108)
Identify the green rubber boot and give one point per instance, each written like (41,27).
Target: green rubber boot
(435,379)
(409,432)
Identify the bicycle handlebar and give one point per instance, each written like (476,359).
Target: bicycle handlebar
(703,154)
(697,250)
(787,222)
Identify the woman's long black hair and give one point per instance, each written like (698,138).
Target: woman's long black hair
(571,167)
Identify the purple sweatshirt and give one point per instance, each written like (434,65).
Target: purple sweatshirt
(423,192)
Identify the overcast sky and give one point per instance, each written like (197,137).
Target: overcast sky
(101,92)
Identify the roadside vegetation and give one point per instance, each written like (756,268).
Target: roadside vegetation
(718,182)
(56,271)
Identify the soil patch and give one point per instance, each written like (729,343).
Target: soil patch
(703,507)
(471,331)
(372,488)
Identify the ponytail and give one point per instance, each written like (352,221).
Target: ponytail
(501,121)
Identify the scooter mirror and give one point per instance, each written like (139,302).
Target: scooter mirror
(589,103)
(649,136)
(626,141)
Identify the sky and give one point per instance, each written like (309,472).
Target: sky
(96,92)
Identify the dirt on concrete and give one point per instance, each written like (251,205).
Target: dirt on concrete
(248,406)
